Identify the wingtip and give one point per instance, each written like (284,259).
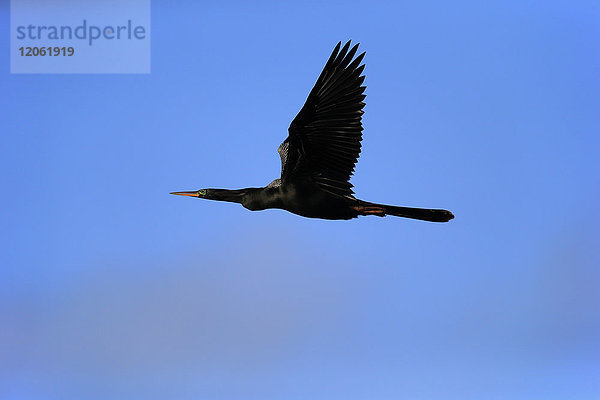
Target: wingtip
(346,47)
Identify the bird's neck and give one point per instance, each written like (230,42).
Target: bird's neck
(233,196)
(253,199)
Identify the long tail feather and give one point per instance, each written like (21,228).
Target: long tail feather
(425,214)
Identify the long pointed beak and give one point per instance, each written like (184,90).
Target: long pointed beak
(193,194)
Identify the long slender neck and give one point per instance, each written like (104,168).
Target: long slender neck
(234,196)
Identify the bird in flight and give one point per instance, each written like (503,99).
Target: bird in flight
(319,154)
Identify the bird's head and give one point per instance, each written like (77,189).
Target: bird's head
(202,193)
(235,196)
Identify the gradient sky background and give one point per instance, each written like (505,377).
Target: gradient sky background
(112,289)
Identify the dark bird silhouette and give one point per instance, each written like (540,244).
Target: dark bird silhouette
(319,154)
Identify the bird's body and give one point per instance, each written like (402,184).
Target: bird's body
(302,198)
(319,154)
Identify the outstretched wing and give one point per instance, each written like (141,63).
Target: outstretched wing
(324,138)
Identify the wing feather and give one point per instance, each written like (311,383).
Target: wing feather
(324,139)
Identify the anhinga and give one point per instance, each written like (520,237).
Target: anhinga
(318,156)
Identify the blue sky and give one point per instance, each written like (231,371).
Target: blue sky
(112,289)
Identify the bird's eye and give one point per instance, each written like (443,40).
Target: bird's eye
(202,192)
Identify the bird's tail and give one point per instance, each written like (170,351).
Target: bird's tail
(425,214)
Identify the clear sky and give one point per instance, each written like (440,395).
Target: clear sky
(110,288)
